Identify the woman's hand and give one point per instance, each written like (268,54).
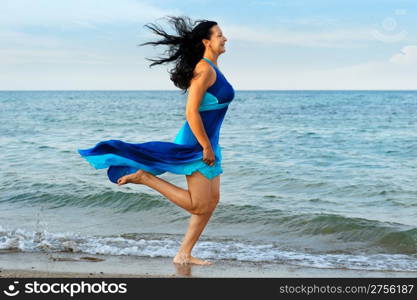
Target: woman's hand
(208,156)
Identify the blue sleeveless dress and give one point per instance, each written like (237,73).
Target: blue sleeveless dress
(182,156)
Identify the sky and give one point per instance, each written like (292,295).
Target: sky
(272,45)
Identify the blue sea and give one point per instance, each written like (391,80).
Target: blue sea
(323,179)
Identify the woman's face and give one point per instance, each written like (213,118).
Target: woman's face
(217,40)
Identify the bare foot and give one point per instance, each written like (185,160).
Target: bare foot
(132,178)
(188,259)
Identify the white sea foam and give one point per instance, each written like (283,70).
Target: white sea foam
(27,241)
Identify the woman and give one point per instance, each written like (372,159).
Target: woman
(195,151)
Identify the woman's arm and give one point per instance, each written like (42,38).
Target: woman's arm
(204,77)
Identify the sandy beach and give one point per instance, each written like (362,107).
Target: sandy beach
(76,265)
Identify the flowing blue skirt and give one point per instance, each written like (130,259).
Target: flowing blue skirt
(182,156)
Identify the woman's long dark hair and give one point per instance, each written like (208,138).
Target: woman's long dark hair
(186,49)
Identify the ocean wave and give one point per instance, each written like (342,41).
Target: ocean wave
(332,232)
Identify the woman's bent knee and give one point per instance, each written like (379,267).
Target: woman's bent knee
(205,209)
(202,208)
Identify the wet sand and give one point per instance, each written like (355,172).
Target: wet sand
(77,265)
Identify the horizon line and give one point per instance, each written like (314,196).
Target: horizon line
(248,90)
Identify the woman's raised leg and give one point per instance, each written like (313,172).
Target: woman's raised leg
(175,194)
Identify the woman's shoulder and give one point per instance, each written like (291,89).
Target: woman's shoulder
(206,70)
(204,66)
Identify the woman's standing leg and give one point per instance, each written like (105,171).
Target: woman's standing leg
(196,183)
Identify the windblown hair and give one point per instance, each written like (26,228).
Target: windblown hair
(185,49)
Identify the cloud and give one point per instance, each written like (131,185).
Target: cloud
(84,13)
(18,48)
(16,39)
(35,32)
(310,21)
(407,55)
(336,38)
(15,57)
(396,72)
(268,3)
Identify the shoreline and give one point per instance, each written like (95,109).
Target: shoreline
(80,265)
